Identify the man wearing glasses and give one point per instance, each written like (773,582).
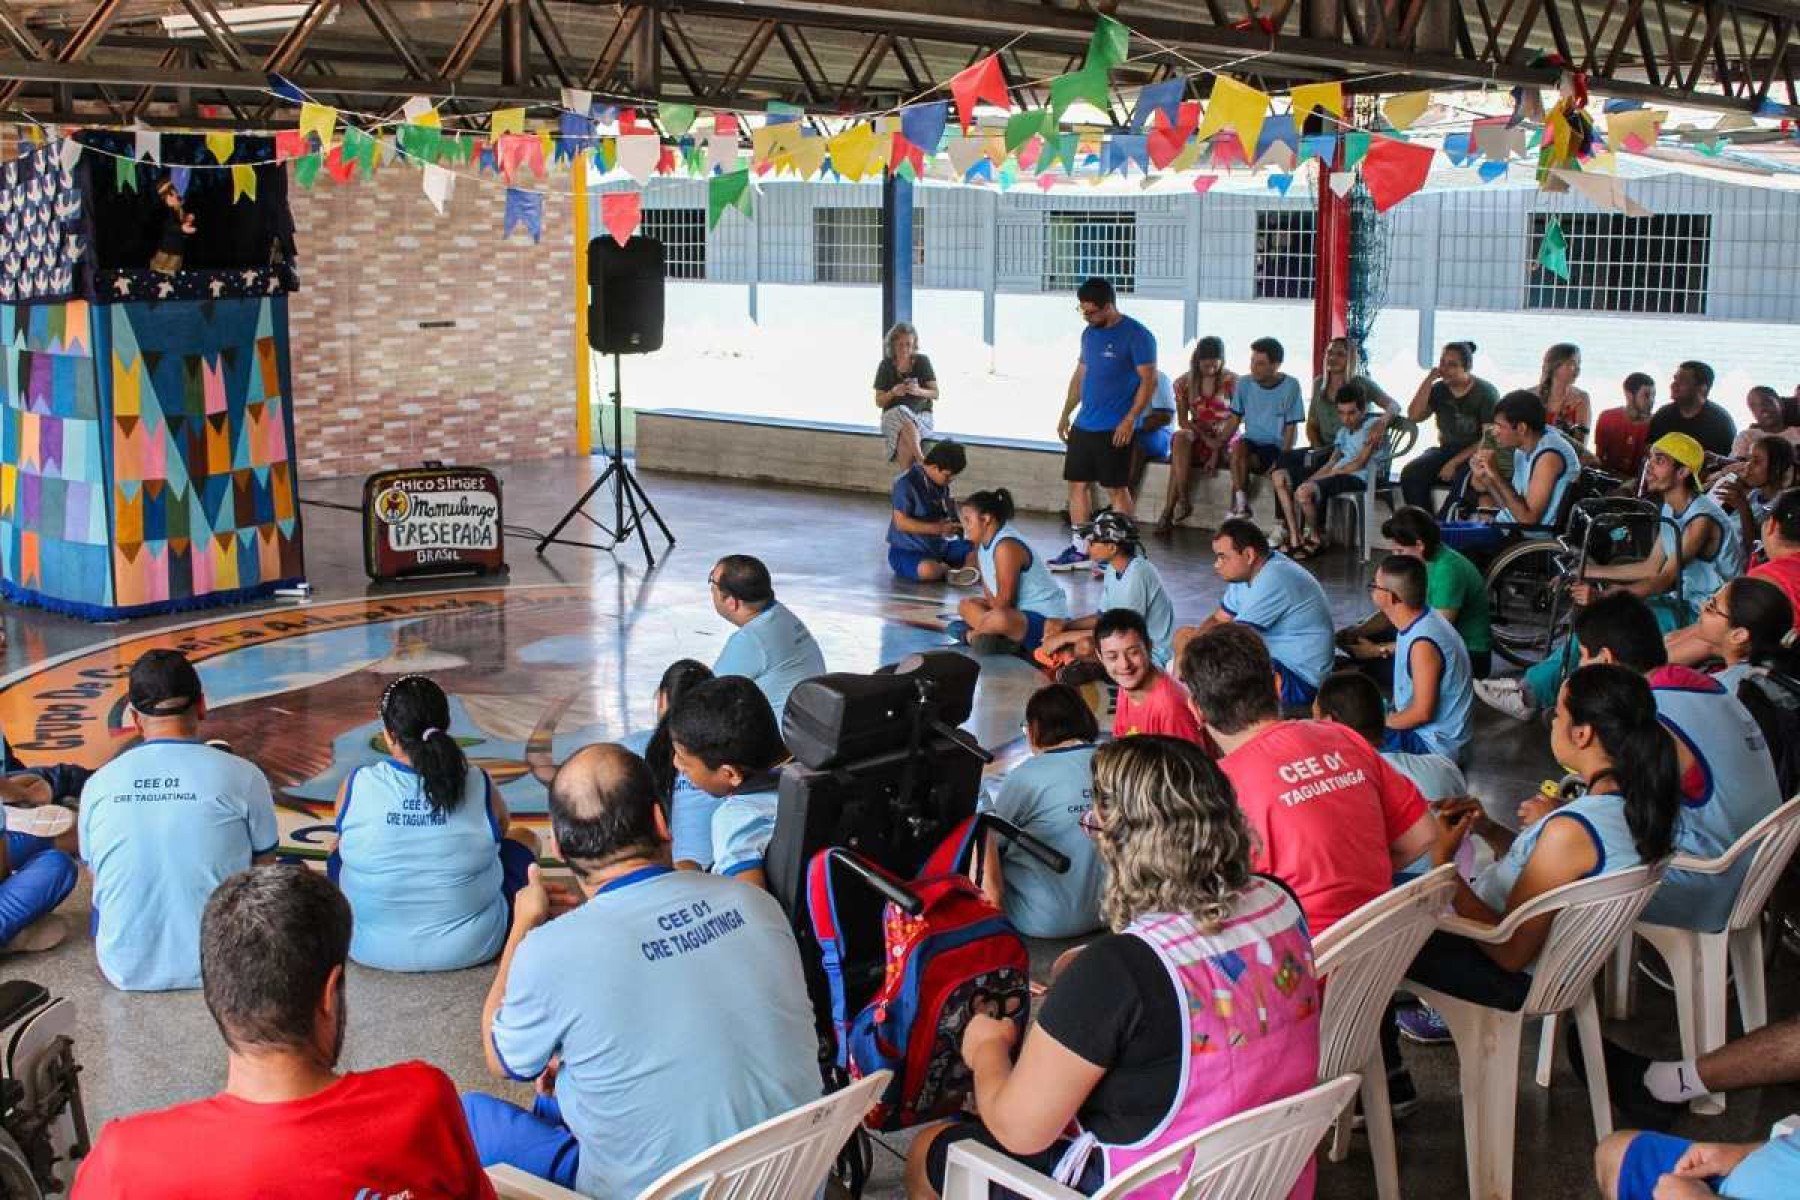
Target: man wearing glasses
(770,646)
(1112,386)
(1434,693)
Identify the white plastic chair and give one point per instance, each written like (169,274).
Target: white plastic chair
(784,1158)
(1256,1155)
(1359,962)
(1591,916)
(1401,435)
(1697,960)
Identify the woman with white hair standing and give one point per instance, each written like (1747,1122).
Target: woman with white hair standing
(905,389)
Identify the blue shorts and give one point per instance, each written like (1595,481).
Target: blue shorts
(1295,691)
(1156,443)
(1034,630)
(1406,741)
(1648,1158)
(905,563)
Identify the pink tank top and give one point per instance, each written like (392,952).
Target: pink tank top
(1250,1002)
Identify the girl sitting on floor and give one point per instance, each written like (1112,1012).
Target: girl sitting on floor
(1018,593)
(688,809)
(424,853)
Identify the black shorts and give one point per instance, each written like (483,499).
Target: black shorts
(1264,456)
(1092,458)
(1044,1162)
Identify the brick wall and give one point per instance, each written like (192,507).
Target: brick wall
(371,388)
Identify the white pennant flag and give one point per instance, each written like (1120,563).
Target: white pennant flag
(1603,191)
(68,153)
(1341,182)
(577,100)
(417,109)
(438,184)
(638,155)
(965,153)
(721,154)
(146,142)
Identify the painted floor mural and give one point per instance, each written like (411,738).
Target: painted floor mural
(533,674)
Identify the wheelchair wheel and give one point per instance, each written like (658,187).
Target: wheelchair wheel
(1524,586)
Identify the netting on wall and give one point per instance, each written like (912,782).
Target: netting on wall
(1369,260)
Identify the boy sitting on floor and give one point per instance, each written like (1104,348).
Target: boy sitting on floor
(727,744)
(1128,581)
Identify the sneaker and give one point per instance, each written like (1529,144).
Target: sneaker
(963,576)
(40,820)
(1080,672)
(957,631)
(1070,559)
(1507,696)
(1240,505)
(1403,1097)
(1279,539)
(1423,1026)
(41,934)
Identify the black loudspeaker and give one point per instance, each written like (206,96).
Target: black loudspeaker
(625,295)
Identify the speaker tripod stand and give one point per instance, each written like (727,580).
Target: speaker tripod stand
(627,494)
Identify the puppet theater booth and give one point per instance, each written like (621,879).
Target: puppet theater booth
(146,426)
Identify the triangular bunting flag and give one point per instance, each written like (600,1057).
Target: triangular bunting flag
(971,86)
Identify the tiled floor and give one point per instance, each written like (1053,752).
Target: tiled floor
(597,629)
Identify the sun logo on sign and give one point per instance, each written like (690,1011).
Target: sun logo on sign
(393,505)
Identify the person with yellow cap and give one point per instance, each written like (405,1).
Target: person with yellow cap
(1700,549)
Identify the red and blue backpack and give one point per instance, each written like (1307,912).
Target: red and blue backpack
(957,956)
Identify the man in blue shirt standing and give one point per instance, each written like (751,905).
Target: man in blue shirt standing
(664,1014)
(770,646)
(164,824)
(1268,406)
(1110,390)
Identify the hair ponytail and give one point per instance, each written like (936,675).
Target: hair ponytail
(996,503)
(1617,704)
(659,752)
(416,713)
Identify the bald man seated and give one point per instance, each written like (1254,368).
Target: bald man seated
(626,1003)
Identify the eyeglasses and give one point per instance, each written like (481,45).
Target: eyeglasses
(1376,587)
(1713,607)
(1089,820)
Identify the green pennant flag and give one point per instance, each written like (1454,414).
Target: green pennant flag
(1086,84)
(1553,251)
(779,108)
(306,168)
(124,174)
(677,119)
(1023,126)
(729,190)
(359,148)
(423,143)
(693,159)
(1106,49)
(1009,175)
(1356,148)
(1063,147)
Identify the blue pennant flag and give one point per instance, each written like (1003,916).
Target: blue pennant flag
(1281,183)
(1123,149)
(1164,97)
(179,176)
(1616,105)
(1277,129)
(1490,171)
(923,124)
(576,133)
(1322,146)
(983,168)
(285,88)
(1458,150)
(525,208)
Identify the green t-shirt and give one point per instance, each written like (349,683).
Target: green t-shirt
(1452,581)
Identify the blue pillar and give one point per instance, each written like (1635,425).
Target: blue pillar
(896,249)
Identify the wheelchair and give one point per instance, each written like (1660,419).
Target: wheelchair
(43,1125)
(1528,582)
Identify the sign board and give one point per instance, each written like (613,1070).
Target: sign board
(432,521)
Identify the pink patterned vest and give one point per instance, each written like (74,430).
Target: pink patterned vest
(1251,1006)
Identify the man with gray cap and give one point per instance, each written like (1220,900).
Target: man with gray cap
(162,825)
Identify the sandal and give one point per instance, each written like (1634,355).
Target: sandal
(1310,547)
(1165,525)
(1184,510)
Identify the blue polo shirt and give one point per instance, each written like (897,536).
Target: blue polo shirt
(1045,796)
(1268,411)
(677,1004)
(774,651)
(1140,588)
(162,825)
(915,495)
(742,826)
(1109,382)
(1285,604)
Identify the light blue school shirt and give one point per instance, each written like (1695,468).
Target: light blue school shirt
(678,1006)
(1554,445)
(742,825)
(1285,604)
(1447,732)
(1436,777)
(1110,358)
(1350,442)
(1161,400)
(1038,590)
(1739,789)
(1268,411)
(690,810)
(774,651)
(1140,588)
(1771,1172)
(424,886)
(1701,577)
(161,826)
(1602,816)
(1045,796)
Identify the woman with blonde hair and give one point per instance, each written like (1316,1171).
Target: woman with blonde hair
(1201,1004)
(906,387)
(1566,406)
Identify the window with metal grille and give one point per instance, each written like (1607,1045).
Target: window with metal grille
(1081,245)
(1655,264)
(847,244)
(1285,257)
(682,231)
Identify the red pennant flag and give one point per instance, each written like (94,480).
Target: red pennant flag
(1030,152)
(983,81)
(621,212)
(337,166)
(666,164)
(725,124)
(628,121)
(1227,150)
(904,150)
(1203,183)
(1394,170)
(289,144)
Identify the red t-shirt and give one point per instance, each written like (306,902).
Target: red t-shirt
(1324,808)
(1784,573)
(396,1131)
(1619,444)
(1165,710)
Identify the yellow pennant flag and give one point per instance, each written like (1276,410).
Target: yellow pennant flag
(221,145)
(1638,128)
(1190,155)
(995,148)
(549,146)
(807,156)
(1403,111)
(320,119)
(1308,96)
(504,121)
(1237,107)
(762,145)
(243,182)
(851,151)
